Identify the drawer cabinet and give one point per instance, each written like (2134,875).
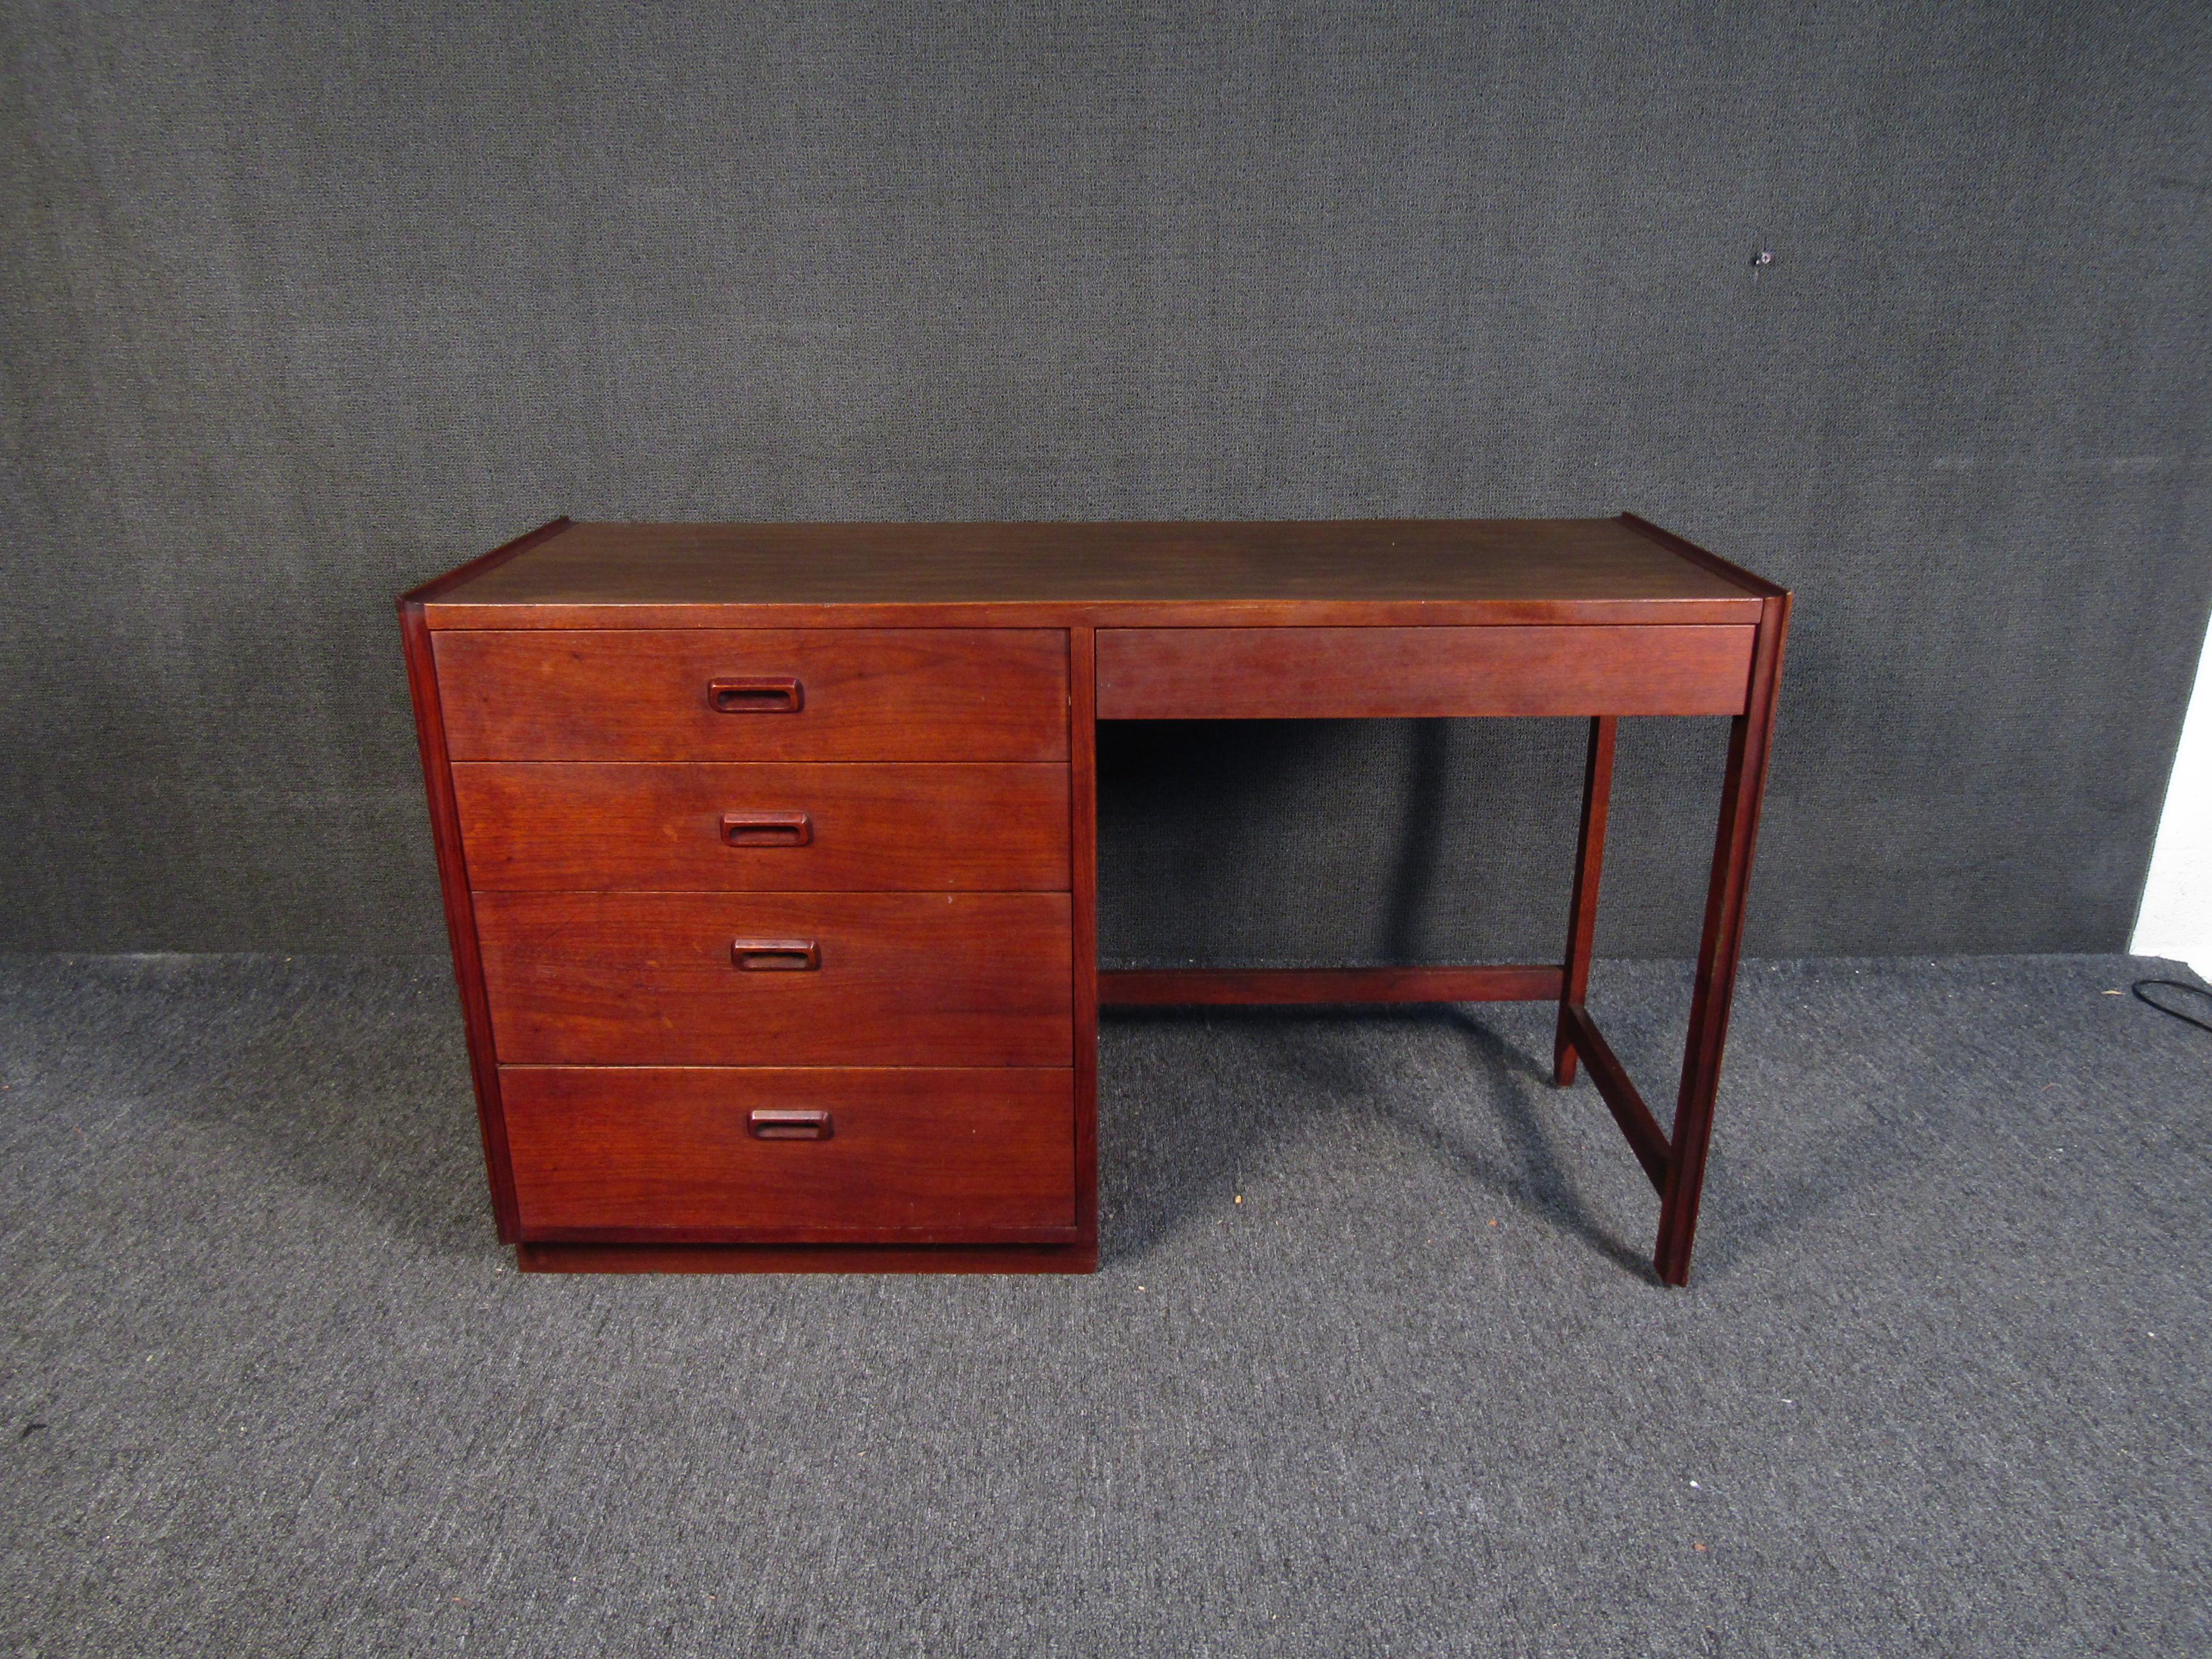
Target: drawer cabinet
(766,933)
(769,852)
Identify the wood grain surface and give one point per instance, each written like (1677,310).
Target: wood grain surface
(578,826)
(641,1154)
(906,979)
(1580,570)
(1192,987)
(918,694)
(1342,673)
(831,758)
(1078,1257)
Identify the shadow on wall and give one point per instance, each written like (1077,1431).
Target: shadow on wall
(1339,841)
(1414,879)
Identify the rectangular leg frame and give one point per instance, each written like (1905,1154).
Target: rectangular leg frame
(1674,1162)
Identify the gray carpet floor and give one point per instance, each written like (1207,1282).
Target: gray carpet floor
(1374,1364)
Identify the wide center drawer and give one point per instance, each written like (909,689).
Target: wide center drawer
(1368,673)
(819,1154)
(552,826)
(840,694)
(792,979)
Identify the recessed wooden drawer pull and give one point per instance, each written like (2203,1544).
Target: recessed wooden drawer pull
(767,830)
(776,955)
(790,1126)
(771,694)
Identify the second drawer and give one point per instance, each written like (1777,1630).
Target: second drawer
(779,979)
(551,826)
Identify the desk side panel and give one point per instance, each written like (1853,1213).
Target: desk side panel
(460,912)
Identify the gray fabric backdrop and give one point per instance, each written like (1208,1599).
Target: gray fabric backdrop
(305,304)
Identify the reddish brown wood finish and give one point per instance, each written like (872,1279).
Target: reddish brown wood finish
(945,644)
(1645,1138)
(1083,842)
(641,1154)
(1735,575)
(536,826)
(1750,738)
(1340,673)
(437,588)
(1590,863)
(1077,1258)
(913,694)
(906,979)
(1738,609)
(1380,572)
(1189,987)
(452,866)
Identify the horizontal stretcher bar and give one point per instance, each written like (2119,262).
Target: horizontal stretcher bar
(1157,987)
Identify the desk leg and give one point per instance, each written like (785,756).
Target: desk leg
(1589,860)
(1749,737)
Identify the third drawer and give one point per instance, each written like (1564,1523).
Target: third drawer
(779,979)
(553,826)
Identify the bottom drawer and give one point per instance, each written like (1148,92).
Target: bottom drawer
(801,1156)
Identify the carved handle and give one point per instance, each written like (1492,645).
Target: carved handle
(767,830)
(758,694)
(776,955)
(790,1126)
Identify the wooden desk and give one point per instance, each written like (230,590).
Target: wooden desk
(769,851)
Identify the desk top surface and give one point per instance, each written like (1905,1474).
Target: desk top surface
(1508,569)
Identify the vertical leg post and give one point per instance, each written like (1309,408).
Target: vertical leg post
(1749,738)
(1589,860)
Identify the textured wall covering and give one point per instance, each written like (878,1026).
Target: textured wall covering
(305,304)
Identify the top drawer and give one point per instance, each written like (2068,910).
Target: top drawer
(837,694)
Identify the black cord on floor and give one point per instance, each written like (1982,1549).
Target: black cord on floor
(2178,985)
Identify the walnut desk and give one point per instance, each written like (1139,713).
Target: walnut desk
(769,851)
